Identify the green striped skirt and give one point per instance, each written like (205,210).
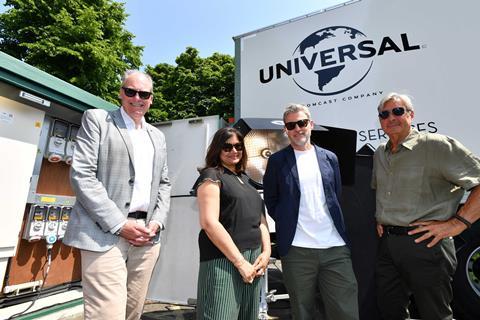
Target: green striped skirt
(222,294)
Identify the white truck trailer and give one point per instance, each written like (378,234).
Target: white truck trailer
(340,62)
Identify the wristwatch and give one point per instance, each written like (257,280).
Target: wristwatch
(117,233)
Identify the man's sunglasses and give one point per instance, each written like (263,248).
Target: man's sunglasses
(300,123)
(227,147)
(132,92)
(398,111)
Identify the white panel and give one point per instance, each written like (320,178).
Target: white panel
(441,75)
(75,312)
(187,142)
(270,221)
(174,278)
(3,267)
(20,128)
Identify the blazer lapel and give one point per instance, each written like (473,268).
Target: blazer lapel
(122,128)
(322,165)
(156,154)
(292,164)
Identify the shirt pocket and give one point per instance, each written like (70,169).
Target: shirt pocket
(406,185)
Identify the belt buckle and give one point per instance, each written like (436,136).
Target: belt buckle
(386,230)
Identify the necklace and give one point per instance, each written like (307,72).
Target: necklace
(239,179)
(235,174)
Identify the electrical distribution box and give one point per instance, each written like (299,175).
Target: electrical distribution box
(72,136)
(47,222)
(36,223)
(57,141)
(64,218)
(52,223)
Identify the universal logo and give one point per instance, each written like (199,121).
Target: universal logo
(333,60)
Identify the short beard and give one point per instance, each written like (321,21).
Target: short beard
(304,141)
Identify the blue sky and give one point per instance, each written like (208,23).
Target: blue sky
(166,27)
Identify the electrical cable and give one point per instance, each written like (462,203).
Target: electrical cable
(8,301)
(45,275)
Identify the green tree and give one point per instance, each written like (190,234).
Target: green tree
(83,42)
(194,87)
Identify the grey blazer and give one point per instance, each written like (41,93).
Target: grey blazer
(102,176)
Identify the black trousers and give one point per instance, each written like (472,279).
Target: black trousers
(404,268)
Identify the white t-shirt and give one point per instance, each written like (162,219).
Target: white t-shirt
(315,228)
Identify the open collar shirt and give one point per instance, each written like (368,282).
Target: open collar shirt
(143,153)
(424,180)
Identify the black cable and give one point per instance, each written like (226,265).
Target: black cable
(8,301)
(45,275)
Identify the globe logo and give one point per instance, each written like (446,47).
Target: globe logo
(333,60)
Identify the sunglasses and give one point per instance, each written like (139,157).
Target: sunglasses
(398,111)
(300,123)
(227,147)
(132,93)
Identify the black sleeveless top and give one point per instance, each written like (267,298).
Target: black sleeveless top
(241,208)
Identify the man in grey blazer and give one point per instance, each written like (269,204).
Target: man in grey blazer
(119,175)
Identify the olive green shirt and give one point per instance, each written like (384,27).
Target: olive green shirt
(424,180)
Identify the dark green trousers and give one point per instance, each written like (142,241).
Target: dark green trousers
(328,272)
(406,268)
(222,294)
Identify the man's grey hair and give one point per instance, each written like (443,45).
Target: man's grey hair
(407,101)
(130,72)
(294,108)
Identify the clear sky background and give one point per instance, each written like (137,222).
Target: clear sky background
(166,27)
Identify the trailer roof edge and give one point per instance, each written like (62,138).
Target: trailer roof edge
(27,77)
(295,19)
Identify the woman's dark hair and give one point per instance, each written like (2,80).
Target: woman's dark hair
(212,160)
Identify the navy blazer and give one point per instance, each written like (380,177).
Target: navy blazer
(282,193)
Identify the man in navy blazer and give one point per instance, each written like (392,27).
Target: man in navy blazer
(301,190)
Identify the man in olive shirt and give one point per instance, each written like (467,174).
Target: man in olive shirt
(420,179)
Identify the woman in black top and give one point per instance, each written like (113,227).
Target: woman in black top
(234,241)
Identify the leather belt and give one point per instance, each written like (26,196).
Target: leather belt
(138,215)
(397,230)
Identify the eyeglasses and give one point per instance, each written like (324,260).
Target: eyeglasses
(227,147)
(300,123)
(398,111)
(129,92)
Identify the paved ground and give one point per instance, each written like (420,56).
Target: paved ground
(158,311)
(279,310)
(154,311)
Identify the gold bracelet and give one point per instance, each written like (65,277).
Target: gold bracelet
(463,220)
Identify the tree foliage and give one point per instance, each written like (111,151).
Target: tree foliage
(80,41)
(84,42)
(194,87)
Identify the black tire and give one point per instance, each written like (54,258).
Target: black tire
(466,282)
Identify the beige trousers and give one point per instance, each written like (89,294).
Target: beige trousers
(115,282)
